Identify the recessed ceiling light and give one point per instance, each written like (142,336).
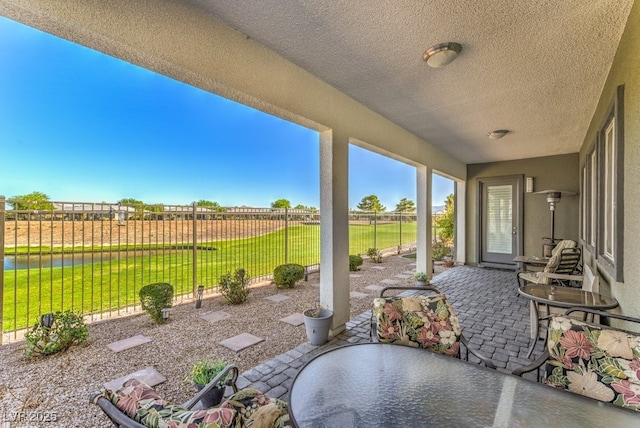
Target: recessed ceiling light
(442,54)
(497,134)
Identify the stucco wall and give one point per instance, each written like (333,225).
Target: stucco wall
(551,172)
(625,71)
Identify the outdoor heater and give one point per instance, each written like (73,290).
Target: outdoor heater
(553,197)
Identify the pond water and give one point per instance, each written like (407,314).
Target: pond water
(53,260)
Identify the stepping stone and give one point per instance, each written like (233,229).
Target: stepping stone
(215,316)
(403,276)
(354,275)
(128,343)
(390,281)
(241,341)
(374,287)
(409,272)
(277,298)
(357,295)
(378,267)
(295,319)
(148,375)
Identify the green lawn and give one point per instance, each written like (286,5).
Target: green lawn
(114,284)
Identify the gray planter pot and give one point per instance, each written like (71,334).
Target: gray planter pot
(421,283)
(318,327)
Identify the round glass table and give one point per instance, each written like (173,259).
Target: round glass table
(560,297)
(385,385)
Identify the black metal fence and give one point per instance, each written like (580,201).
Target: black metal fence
(93,258)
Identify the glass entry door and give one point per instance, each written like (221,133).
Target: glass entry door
(500,219)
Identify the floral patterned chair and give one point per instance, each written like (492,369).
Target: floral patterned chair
(137,405)
(421,321)
(593,360)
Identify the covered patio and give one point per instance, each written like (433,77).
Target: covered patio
(493,316)
(558,81)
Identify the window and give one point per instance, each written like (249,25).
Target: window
(589,183)
(610,203)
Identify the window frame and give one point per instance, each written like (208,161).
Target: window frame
(610,162)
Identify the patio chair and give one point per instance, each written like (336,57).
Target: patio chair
(594,360)
(420,321)
(564,260)
(137,405)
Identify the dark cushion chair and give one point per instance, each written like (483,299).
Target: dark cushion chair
(137,405)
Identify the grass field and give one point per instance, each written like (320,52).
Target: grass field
(114,284)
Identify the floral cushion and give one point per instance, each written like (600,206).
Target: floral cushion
(594,361)
(419,321)
(247,407)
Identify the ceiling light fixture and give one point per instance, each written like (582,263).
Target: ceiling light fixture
(497,134)
(442,54)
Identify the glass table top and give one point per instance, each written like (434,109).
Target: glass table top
(567,297)
(384,385)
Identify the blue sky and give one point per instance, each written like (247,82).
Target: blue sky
(79,125)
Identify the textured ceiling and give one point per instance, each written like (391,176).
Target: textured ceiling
(533,67)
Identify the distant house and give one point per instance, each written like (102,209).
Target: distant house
(91,211)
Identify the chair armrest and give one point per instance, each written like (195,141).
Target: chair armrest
(118,418)
(427,288)
(485,360)
(560,276)
(231,371)
(536,364)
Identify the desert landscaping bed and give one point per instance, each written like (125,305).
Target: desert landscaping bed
(61,384)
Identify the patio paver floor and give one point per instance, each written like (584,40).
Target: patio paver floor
(493,316)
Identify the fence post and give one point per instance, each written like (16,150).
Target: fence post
(195,251)
(286,235)
(375,229)
(400,246)
(2,220)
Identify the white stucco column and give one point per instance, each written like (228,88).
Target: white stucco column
(424,252)
(334,227)
(460,225)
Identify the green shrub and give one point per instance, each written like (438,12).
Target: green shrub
(375,255)
(441,250)
(204,371)
(67,328)
(355,262)
(286,276)
(233,286)
(154,298)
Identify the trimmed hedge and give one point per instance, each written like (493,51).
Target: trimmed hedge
(286,276)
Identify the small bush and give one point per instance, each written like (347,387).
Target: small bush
(233,286)
(355,262)
(67,328)
(441,250)
(375,255)
(154,298)
(286,276)
(204,371)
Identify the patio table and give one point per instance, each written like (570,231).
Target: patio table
(385,385)
(560,297)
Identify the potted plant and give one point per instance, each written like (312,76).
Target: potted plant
(203,372)
(421,279)
(317,322)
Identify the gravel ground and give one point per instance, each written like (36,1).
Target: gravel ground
(58,387)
